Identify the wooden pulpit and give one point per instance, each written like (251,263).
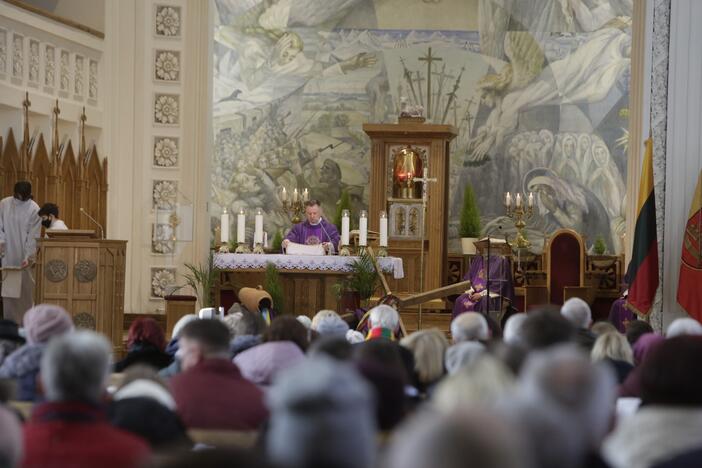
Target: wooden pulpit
(85,276)
(392,148)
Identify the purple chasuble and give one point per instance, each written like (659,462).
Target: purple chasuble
(306,233)
(500,273)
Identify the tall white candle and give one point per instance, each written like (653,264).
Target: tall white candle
(305,195)
(224,227)
(363,229)
(508,200)
(518,200)
(241,226)
(258,227)
(284,195)
(530,203)
(345,227)
(295,195)
(383,229)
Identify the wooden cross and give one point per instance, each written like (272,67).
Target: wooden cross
(429,59)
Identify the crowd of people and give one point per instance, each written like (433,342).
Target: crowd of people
(549,389)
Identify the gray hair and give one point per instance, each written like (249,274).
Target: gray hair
(483,383)
(183,321)
(511,333)
(76,366)
(472,438)
(577,312)
(583,392)
(683,326)
(322,414)
(384,316)
(470,326)
(462,354)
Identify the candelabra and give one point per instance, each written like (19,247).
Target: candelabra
(296,205)
(520,214)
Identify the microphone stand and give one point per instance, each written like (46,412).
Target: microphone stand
(102,231)
(487,280)
(425,182)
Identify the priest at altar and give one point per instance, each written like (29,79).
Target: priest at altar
(314,230)
(501,289)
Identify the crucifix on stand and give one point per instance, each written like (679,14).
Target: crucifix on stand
(425,179)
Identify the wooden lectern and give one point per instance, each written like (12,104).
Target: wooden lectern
(85,276)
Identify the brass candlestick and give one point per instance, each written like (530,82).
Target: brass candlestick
(520,214)
(296,205)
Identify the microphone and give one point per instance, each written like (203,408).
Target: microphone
(102,231)
(331,242)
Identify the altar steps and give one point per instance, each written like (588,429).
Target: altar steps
(430,319)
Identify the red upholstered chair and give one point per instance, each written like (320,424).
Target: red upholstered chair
(565,266)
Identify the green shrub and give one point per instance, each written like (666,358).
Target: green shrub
(470,216)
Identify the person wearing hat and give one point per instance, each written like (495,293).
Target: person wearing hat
(10,338)
(41,323)
(20,226)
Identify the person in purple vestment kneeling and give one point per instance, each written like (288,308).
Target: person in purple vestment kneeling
(314,230)
(499,273)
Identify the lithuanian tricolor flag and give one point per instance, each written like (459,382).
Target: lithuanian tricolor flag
(690,283)
(642,274)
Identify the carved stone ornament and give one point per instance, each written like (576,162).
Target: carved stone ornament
(166,109)
(56,270)
(167,21)
(166,151)
(85,271)
(167,65)
(165,194)
(84,320)
(161,280)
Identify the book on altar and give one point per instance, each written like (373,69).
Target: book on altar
(294,248)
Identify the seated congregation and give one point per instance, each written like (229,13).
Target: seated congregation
(551,389)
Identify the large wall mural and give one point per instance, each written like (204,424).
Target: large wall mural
(539,93)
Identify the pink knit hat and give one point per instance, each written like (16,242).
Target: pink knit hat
(45,321)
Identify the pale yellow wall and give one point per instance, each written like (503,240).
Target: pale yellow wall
(420,14)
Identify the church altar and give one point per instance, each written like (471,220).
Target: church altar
(230,261)
(307,280)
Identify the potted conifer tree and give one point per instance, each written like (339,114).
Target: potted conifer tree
(469,228)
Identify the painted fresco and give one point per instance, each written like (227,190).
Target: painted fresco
(539,94)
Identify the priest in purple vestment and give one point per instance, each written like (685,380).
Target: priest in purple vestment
(314,230)
(499,272)
(620,314)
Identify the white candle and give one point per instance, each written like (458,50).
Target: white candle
(508,200)
(284,195)
(345,227)
(518,200)
(258,227)
(305,195)
(363,229)
(295,195)
(241,226)
(531,200)
(383,229)
(265,239)
(224,227)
